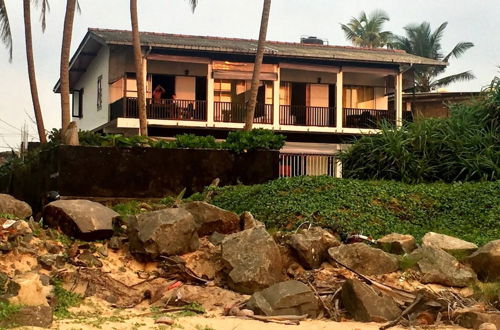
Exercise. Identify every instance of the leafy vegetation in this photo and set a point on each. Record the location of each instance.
(465, 210)
(367, 30)
(64, 299)
(464, 147)
(6, 312)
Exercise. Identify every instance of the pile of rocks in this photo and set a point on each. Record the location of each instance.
(308, 273)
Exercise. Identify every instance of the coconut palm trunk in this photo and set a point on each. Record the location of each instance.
(250, 111)
(139, 74)
(65, 52)
(31, 71)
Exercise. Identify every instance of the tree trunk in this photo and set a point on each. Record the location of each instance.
(250, 111)
(65, 52)
(31, 72)
(139, 74)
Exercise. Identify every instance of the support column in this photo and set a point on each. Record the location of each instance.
(339, 92)
(276, 100)
(145, 76)
(398, 99)
(210, 96)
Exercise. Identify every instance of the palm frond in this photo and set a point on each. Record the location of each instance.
(463, 76)
(78, 8)
(45, 9)
(193, 4)
(5, 32)
(458, 50)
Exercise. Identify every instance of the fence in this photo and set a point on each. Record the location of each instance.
(308, 164)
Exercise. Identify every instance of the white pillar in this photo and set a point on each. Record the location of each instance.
(339, 92)
(398, 99)
(276, 100)
(210, 96)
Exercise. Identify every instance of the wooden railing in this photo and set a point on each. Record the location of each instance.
(229, 112)
(161, 109)
(301, 115)
(366, 118)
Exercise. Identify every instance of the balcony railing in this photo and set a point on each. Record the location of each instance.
(301, 115)
(229, 112)
(367, 118)
(161, 109)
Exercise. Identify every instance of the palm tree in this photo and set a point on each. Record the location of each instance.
(31, 63)
(422, 41)
(366, 31)
(139, 72)
(5, 32)
(250, 111)
(71, 6)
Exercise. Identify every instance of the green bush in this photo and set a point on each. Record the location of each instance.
(464, 147)
(242, 141)
(466, 210)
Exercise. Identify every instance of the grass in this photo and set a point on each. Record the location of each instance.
(64, 300)
(6, 312)
(469, 211)
(488, 292)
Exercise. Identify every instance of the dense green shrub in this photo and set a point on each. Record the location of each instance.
(241, 141)
(470, 211)
(465, 147)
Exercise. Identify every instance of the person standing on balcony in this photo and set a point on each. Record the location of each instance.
(158, 93)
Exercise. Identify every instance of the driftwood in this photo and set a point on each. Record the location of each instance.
(407, 311)
(175, 268)
(327, 309)
(281, 319)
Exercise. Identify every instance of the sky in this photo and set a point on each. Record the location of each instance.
(469, 20)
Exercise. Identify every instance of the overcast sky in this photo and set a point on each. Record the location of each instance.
(476, 21)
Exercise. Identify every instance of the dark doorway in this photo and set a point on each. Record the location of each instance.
(201, 88)
(298, 103)
(332, 104)
(167, 82)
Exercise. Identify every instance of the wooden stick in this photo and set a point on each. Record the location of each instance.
(408, 310)
(327, 309)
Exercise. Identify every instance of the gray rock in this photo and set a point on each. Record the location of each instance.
(163, 232)
(397, 243)
(247, 221)
(87, 259)
(216, 238)
(29, 316)
(364, 259)
(365, 304)
(486, 261)
(210, 218)
(312, 246)
(454, 246)
(285, 298)
(80, 218)
(474, 319)
(49, 261)
(10, 205)
(252, 260)
(115, 243)
(437, 266)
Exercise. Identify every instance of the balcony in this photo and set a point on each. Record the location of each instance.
(367, 118)
(301, 115)
(229, 112)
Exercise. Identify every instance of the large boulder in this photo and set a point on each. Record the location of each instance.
(365, 304)
(80, 218)
(364, 259)
(10, 205)
(285, 298)
(29, 316)
(397, 243)
(252, 260)
(210, 218)
(486, 261)
(454, 246)
(437, 266)
(164, 232)
(311, 246)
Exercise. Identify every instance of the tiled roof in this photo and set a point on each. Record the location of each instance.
(273, 48)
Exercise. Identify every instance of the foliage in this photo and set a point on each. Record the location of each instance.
(421, 41)
(465, 210)
(64, 299)
(366, 31)
(127, 208)
(7, 310)
(243, 141)
(487, 292)
(465, 147)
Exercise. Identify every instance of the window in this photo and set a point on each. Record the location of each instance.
(238, 91)
(77, 103)
(361, 97)
(99, 92)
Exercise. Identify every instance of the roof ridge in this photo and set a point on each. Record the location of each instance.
(400, 51)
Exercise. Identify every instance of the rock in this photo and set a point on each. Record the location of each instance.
(205, 262)
(163, 232)
(102, 250)
(285, 298)
(487, 326)
(216, 238)
(10, 205)
(48, 261)
(30, 290)
(29, 316)
(486, 261)
(210, 218)
(115, 243)
(437, 266)
(87, 259)
(252, 260)
(364, 259)
(210, 297)
(474, 319)
(397, 243)
(247, 221)
(53, 248)
(165, 320)
(80, 218)
(312, 246)
(365, 304)
(454, 246)
(4, 280)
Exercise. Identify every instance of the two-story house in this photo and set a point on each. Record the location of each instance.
(318, 95)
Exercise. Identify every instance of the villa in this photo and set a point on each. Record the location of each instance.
(319, 96)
